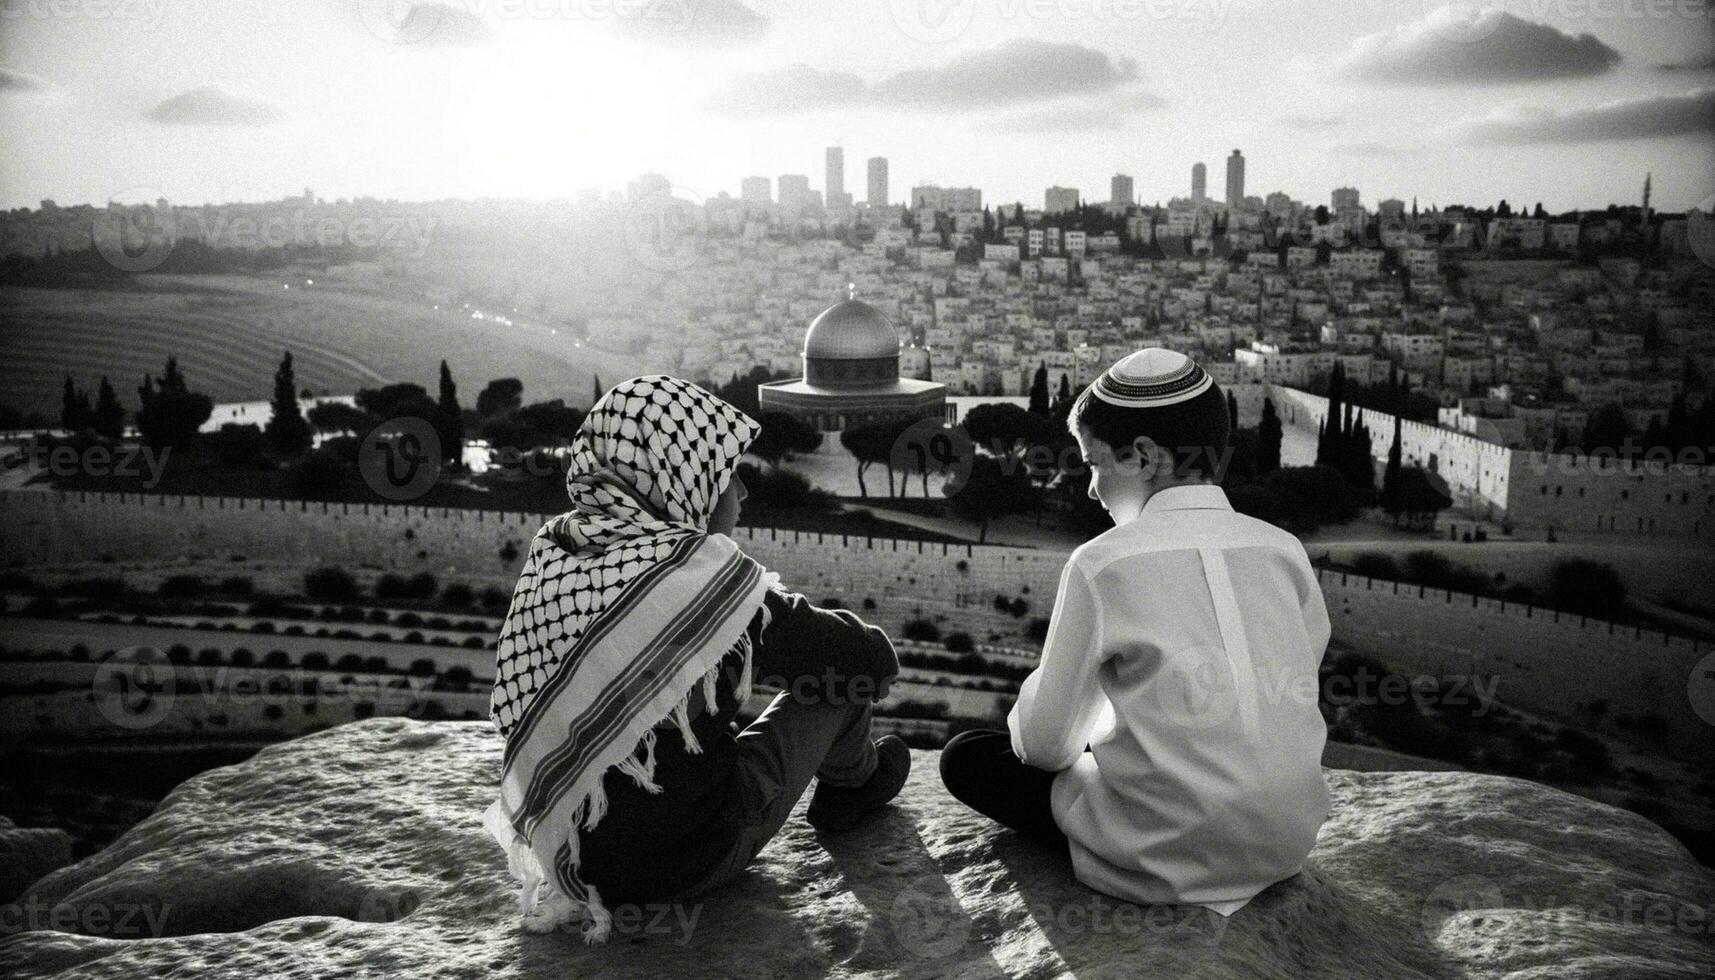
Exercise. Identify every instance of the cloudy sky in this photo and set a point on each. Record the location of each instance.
(1567, 102)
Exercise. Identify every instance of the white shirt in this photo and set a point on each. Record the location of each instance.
(1183, 652)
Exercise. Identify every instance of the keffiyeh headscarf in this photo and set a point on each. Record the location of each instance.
(625, 605)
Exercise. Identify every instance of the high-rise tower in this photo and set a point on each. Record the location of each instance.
(1199, 183)
(1235, 179)
(878, 182)
(835, 192)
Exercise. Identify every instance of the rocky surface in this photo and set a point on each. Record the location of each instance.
(27, 853)
(358, 851)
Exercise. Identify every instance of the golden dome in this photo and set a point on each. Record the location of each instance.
(851, 331)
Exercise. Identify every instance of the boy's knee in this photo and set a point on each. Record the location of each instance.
(956, 758)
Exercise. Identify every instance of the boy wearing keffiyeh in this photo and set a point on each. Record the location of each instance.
(633, 637)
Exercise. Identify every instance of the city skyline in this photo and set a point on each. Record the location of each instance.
(1525, 102)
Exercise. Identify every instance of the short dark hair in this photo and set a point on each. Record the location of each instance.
(1195, 430)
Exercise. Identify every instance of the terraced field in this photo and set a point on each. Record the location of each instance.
(228, 333)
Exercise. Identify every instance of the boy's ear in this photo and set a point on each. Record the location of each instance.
(1148, 454)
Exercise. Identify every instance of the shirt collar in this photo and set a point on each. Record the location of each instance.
(1194, 496)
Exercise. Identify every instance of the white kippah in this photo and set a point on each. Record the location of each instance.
(1151, 378)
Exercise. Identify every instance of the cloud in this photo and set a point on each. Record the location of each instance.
(1366, 148)
(1079, 116)
(17, 81)
(1018, 72)
(1310, 122)
(209, 106)
(1695, 64)
(691, 23)
(1688, 114)
(1493, 47)
(427, 24)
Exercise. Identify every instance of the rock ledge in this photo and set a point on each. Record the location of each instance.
(358, 851)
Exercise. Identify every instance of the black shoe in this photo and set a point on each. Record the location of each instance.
(836, 809)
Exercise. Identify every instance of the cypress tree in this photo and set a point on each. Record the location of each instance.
(1678, 428)
(1390, 476)
(108, 419)
(74, 408)
(449, 419)
(287, 430)
(1332, 440)
(1039, 391)
(1268, 435)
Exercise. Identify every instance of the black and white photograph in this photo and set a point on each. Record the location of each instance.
(870, 489)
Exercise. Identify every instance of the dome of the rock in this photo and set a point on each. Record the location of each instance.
(851, 374)
(852, 330)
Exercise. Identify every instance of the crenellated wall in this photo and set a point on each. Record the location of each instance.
(1528, 489)
(1546, 661)
(1540, 659)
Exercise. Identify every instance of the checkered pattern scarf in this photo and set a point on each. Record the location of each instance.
(625, 605)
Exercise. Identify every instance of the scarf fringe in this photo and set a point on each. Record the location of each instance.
(539, 897)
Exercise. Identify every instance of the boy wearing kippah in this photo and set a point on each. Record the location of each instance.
(1170, 738)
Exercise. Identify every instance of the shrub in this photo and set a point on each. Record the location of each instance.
(1374, 564)
(331, 584)
(457, 595)
(1037, 630)
(1588, 588)
(314, 660)
(99, 589)
(183, 586)
(235, 585)
(277, 660)
(922, 631)
(959, 643)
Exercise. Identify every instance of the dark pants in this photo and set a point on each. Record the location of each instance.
(980, 770)
(790, 743)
